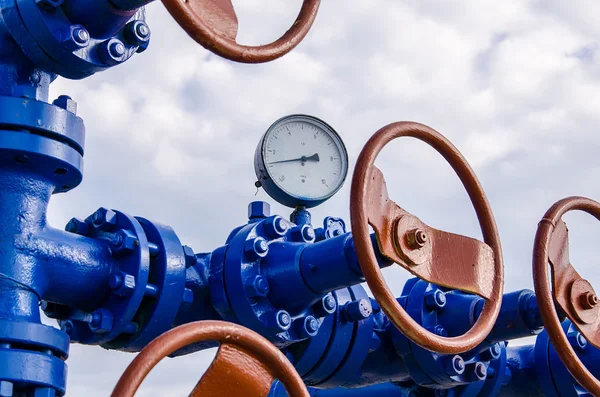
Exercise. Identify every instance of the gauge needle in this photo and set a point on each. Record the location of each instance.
(314, 157)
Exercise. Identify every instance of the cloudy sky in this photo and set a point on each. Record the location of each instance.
(515, 84)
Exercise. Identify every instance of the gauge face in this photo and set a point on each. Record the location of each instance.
(301, 161)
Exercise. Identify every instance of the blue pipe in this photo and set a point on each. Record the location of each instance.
(332, 264)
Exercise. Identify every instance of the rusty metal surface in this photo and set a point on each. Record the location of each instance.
(224, 377)
(445, 259)
(574, 295)
(439, 257)
(245, 365)
(214, 24)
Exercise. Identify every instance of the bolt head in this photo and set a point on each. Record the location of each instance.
(312, 324)
(435, 299)
(190, 256)
(259, 210)
(275, 227)
(65, 102)
(308, 234)
(306, 327)
(480, 370)
(117, 49)
(143, 30)
(277, 322)
(453, 366)
(81, 35)
(458, 364)
(329, 303)
(103, 219)
(303, 233)
(492, 353)
(577, 340)
(257, 287)
(122, 284)
(358, 310)
(75, 38)
(256, 248)
(112, 51)
(326, 306)
(589, 300)
(124, 242)
(102, 321)
(137, 33)
(77, 226)
(284, 319)
(416, 238)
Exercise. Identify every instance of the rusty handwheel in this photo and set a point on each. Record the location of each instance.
(246, 363)
(214, 24)
(436, 256)
(574, 295)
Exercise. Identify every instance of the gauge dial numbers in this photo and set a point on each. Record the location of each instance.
(301, 161)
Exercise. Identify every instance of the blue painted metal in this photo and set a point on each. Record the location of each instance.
(72, 38)
(119, 281)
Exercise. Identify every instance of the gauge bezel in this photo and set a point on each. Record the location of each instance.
(277, 192)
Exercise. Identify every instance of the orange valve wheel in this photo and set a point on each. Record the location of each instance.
(441, 258)
(214, 24)
(246, 363)
(574, 295)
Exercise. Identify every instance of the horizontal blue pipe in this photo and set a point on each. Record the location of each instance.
(332, 264)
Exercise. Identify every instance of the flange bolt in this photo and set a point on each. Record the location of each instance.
(454, 365)
(77, 226)
(76, 37)
(112, 51)
(101, 321)
(257, 248)
(476, 371)
(124, 242)
(435, 299)
(577, 340)
(303, 233)
(306, 327)
(257, 287)
(137, 33)
(103, 219)
(275, 227)
(121, 284)
(358, 310)
(277, 322)
(326, 306)
(492, 353)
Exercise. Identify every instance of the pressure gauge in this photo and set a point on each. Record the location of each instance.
(301, 161)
